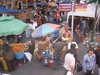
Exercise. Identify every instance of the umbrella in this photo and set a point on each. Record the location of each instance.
(52, 4)
(9, 26)
(44, 30)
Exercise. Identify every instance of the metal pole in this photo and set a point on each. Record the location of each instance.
(72, 18)
(94, 21)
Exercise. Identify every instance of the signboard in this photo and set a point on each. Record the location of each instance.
(80, 7)
(68, 7)
(65, 7)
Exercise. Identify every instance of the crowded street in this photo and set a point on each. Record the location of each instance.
(49, 37)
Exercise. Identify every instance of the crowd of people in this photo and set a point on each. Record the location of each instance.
(64, 39)
(89, 60)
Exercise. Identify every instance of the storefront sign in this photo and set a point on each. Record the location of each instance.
(68, 7)
(80, 7)
(64, 7)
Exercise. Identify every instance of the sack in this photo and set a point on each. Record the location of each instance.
(28, 56)
(69, 73)
(60, 19)
(79, 67)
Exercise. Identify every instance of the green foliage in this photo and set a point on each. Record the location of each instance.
(94, 1)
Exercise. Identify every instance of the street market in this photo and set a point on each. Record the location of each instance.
(37, 32)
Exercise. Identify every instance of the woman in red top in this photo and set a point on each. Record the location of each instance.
(39, 21)
(57, 17)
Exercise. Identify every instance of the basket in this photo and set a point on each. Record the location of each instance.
(19, 55)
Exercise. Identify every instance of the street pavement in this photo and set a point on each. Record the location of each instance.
(35, 67)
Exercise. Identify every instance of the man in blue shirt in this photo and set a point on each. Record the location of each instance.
(83, 27)
(89, 62)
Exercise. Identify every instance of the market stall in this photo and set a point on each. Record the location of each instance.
(9, 26)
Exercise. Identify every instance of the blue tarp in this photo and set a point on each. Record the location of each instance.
(39, 3)
(28, 4)
(4, 10)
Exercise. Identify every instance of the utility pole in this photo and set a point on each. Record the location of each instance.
(73, 6)
(94, 21)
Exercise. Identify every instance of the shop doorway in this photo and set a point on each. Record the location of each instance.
(19, 5)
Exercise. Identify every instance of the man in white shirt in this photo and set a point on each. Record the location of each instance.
(34, 25)
(69, 45)
(69, 63)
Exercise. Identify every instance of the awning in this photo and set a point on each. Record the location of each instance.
(4, 10)
(28, 4)
(89, 13)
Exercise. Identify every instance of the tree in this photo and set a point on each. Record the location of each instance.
(94, 1)
(97, 2)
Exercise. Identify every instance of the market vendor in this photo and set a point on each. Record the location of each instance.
(11, 39)
(66, 34)
(57, 47)
(9, 57)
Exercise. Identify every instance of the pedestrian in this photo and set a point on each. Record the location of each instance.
(57, 46)
(89, 62)
(77, 36)
(73, 46)
(39, 21)
(58, 17)
(43, 19)
(72, 42)
(27, 31)
(34, 25)
(9, 57)
(97, 53)
(51, 16)
(83, 27)
(69, 63)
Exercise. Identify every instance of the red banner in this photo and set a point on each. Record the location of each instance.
(68, 7)
(64, 7)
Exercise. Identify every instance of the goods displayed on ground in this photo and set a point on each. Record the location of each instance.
(96, 40)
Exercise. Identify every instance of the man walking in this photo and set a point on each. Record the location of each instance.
(89, 62)
(57, 46)
(69, 63)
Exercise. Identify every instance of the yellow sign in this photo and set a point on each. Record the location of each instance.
(81, 9)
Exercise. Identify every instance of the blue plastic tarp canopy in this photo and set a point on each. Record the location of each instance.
(4, 10)
(40, 3)
(28, 4)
